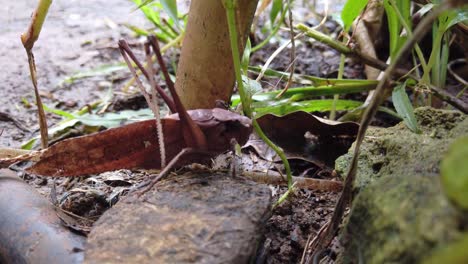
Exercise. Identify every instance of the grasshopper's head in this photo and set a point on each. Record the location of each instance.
(220, 126)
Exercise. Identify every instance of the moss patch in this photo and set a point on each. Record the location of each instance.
(401, 213)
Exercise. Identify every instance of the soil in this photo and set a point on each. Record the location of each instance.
(294, 223)
(78, 37)
(75, 38)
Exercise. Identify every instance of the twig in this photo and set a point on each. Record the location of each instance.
(316, 238)
(273, 56)
(305, 249)
(304, 183)
(9, 156)
(454, 74)
(37, 20)
(8, 118)
(151, 99)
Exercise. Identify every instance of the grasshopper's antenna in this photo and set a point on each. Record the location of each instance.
(128, 54)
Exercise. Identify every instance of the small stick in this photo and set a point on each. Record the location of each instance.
(40, 107)
(234, 161)
(8, 118)
(10, 156)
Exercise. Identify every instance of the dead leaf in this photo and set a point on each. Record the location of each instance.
(308, 135)
(131, 146)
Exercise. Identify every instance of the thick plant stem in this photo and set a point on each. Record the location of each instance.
(205, 73)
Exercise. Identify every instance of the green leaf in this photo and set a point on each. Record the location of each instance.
(394, 24)
(68, 123)
(52, 131)
(285, 107)
(404, 108)
(426, 8)
(351, 11)
(251, 87)
(110, 120)
(309, 79)
(29, 145)
(150, 14)
(138, 31)
(246, 57)
(276, 8)
(98, 71)
(170, 7)
(455, 16)
(393, 28)
(454, 172)
(59, 112)
(311, 91)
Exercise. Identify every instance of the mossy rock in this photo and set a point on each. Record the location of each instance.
(400, 213)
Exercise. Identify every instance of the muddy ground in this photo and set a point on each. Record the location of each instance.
(78, 37)
(75, 38)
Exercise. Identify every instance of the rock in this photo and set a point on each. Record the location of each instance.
(401, 214)
(184, 219)
(32, 230)
(454, 173)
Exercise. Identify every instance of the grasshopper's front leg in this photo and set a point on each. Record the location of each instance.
(193, 136)
(148, 185)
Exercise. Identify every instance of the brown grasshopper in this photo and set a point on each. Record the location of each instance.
(189, 136)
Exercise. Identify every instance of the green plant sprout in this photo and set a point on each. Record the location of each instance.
(246, 101)
(165, 29)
